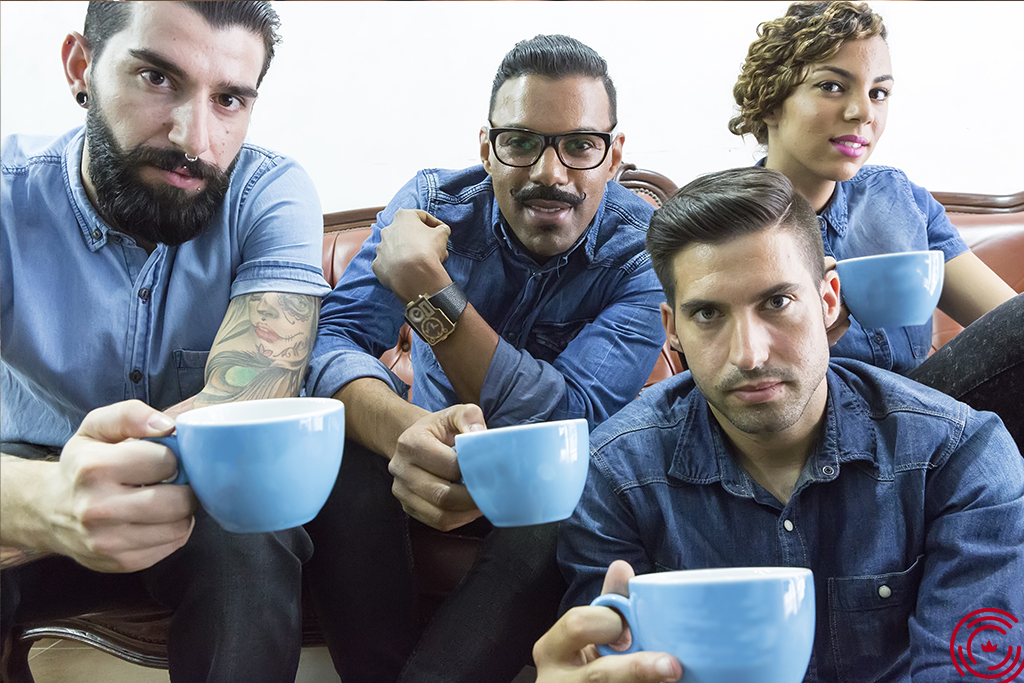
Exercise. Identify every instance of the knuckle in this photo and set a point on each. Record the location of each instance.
(442, 496)
(576, 624)
(397, 466)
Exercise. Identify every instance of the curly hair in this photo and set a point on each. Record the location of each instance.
(778, 60)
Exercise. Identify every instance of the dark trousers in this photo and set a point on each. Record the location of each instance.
(362, 579)
(983, 366)
(236, 600)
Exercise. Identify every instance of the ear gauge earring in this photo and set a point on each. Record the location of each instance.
(82, 99)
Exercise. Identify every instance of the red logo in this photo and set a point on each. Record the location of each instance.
(994, 621)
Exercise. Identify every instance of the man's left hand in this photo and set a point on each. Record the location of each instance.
(426, 471)
(567, 653)
(411, 253)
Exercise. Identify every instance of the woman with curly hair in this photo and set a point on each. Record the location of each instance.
(815, 90)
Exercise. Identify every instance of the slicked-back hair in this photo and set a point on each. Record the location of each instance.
(554, 56)
(723, 206)
(785, 47)
(104, 19)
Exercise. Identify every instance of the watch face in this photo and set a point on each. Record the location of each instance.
(431, 324)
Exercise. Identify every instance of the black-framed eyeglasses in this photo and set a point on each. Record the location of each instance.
(578, 150)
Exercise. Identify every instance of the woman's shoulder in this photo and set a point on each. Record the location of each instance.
(869, 174)
(875, 182)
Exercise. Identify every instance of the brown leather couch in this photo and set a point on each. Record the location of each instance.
(992, 225)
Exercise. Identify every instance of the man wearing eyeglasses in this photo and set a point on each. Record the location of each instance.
(533, 299)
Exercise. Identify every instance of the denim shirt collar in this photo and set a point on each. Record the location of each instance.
(700, 435)
(95, 231)
(835, 212)
(588, 238)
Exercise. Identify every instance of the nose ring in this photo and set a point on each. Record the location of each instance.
(188, 158)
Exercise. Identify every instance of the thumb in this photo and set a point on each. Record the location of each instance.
(616, 580)
(431, 221)
(125, 420)
(467, 417)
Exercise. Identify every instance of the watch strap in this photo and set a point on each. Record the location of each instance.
(451, 301)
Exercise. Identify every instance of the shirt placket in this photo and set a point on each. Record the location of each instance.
(140, 322)
(524, 311)
(790, 535)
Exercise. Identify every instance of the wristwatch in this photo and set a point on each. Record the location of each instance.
(433, 317)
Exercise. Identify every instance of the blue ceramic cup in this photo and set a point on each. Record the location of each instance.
(260, 465)
(742, 625)
(892, 290)
(526, 474)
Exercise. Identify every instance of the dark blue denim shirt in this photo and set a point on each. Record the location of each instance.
(879, 211)
(579, 334)
(906, 489)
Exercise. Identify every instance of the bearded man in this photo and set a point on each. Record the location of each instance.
(155, 256)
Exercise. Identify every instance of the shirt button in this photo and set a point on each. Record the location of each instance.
(136, 376)
(96, 234)
(828, 470)
(884, 591)
(879, 337)
(787, 525)
(510, 337)
(144, 295)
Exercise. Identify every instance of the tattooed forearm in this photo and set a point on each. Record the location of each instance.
(12, 557)
(262, 349)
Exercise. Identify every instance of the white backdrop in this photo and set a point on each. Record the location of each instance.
(365, 93)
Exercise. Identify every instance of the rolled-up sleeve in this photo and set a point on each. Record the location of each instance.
(282, 246)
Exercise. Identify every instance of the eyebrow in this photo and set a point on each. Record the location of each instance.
(583, 129)
(177, 72)
(849, 75)
(693, 305)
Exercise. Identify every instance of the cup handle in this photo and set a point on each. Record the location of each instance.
(172, 443)
(625, 607)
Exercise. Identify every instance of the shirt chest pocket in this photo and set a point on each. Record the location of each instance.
(191, 369)
(548, 339)
(868, 618)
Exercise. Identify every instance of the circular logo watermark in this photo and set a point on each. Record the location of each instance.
(982, 637)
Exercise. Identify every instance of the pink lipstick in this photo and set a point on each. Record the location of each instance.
(850, 145)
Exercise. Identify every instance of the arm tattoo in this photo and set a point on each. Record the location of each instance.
(12, 557)
(262, 349)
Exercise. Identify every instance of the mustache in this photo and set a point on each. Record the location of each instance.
(531, 192)
(739, 378)
(171, 160)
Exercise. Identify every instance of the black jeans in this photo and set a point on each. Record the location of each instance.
(236, 600)
(983, 366)
(362, 580)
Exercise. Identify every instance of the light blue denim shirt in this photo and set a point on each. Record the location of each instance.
(906, 489)
(879, 211)
(579, 334)
(88, 318)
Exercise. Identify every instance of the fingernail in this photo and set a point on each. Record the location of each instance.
(666, 667)
(160, 422)
(476, 427)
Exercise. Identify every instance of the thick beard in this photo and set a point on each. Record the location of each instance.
(163, 213)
